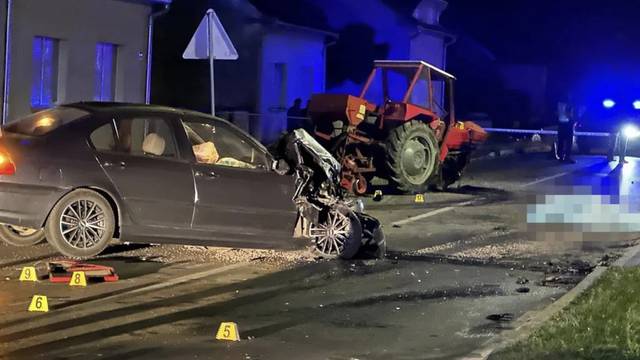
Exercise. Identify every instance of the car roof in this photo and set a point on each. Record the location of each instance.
(96, 106)
(108, 107)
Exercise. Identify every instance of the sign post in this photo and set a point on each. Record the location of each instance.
(210, 41)
(211, 59)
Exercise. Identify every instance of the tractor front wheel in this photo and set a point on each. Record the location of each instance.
(412, 156)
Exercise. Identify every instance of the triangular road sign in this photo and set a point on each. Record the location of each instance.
(210, 30)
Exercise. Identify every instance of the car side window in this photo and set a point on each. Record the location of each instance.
(145, 136)
(218, 143)
(102, 138)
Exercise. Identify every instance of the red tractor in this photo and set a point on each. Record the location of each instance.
(410, 137)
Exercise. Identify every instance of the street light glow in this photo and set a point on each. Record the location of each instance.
(608, 103)
(636, 104)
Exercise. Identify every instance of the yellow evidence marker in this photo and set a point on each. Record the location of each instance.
(419, 198)
(78, 279)
(228, 331)
(39, 304)
(28, 273)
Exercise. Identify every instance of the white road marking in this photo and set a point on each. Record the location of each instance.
(545, 179)
(465, 203)
(431, 213)
(186, 278)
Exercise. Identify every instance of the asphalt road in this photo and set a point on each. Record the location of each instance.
(460, 266)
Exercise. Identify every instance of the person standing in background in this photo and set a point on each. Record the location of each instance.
(294, 115)
(306, 121)
(566, 125)
(617, 143)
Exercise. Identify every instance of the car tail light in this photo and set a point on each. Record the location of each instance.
(7, 167)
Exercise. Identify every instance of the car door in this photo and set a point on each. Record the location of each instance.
(238, 197)
(154, 183)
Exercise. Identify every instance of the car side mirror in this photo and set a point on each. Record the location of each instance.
(281, 167)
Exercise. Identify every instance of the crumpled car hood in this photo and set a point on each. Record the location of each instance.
(315, 155)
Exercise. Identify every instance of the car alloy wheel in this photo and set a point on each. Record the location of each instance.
(339, 235)
(331, 236)
(82, 224)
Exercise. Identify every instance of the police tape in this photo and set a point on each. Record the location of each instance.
(544, 132)
(227, 114)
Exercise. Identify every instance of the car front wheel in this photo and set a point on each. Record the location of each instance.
(338, 234)
(81, 225)
(20, 236)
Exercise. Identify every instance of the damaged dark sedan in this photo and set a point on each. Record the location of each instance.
(83, 174)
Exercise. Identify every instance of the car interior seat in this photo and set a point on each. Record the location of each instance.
(153, 144)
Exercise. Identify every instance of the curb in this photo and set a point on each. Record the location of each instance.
(629, 257)
(531, 320)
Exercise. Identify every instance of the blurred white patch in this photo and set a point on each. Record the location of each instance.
(593, 213)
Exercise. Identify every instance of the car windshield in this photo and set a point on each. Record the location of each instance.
(44, 122)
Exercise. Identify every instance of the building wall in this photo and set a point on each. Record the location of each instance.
(78, 25)
(390, 27)
(390, 40)
(430, 48)
(293, 66)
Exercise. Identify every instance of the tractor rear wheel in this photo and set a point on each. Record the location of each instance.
(412, 156)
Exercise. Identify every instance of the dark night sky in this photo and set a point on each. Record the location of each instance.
(564, 33)
(580, 41)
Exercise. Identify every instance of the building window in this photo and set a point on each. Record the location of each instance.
(44, 86)
(105, 72)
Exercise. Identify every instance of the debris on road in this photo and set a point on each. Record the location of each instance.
(580, 267)
(605, 260)
(208, 254)
(501, 317)
(61, 271)
(561, 279)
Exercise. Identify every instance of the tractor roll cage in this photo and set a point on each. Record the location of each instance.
(413, 70)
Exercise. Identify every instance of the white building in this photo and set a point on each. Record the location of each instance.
(61, 51)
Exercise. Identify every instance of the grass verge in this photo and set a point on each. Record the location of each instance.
(602, 323)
